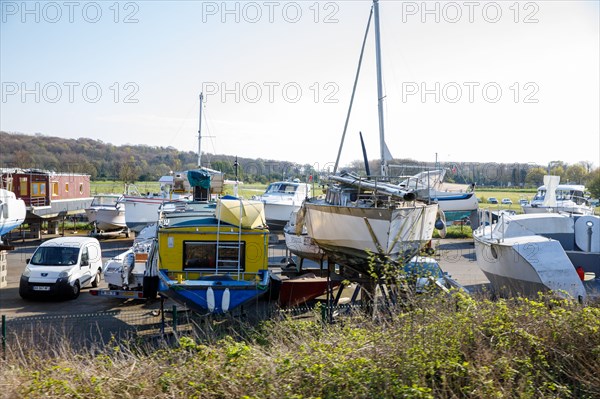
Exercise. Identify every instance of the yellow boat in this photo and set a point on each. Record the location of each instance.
(212, 256)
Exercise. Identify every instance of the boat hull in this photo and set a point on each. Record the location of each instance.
(350, 235)
(299, 290)
(110, 219)
(12, 211)
(216, 294)
(453, 202)
(527, 265)
(303, 246)
(278, 214)
(141, 211)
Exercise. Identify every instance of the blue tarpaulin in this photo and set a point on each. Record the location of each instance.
(199, 178)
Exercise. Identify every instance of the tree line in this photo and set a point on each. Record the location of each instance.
(130, 163)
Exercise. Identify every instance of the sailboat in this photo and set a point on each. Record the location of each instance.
(142, 210)
(369, 218)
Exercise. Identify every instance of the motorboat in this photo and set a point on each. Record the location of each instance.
(281, 199)
(529, 253)
(141, 209)
(457, 201)
(124, 273)
(12, 212)
(555, 197)
(106, 213)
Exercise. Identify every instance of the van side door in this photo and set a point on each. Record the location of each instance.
(85, 266)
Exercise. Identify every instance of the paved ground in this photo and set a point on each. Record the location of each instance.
(457, 257)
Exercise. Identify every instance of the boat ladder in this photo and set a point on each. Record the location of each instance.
(237, 245)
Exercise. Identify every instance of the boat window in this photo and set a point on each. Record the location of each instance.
(54, 188)
(281, 188)
(202, 255)
(38, 189)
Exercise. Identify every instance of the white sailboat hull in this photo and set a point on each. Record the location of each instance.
(349, 235)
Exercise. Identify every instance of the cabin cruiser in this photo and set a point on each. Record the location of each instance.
(281, 199)
(555, 197)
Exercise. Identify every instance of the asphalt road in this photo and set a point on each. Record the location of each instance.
(456, 256)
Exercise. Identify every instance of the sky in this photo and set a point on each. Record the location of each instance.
(472, 81)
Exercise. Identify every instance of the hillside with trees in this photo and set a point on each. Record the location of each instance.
(105, 161)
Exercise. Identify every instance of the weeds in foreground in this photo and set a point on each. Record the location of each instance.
(444, 347)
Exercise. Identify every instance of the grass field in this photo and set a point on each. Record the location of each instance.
(249, 190)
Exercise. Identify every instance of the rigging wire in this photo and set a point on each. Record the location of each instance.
(183, 121)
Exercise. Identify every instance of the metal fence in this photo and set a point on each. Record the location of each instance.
(95, 330)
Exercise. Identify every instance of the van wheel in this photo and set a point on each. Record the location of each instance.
(96, 280)
(75, 290)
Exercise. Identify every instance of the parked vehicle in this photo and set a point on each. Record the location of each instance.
(506, 201)
(424, 270)
(492, 200)
(61, 267)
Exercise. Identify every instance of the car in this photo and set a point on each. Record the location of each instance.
(492, 200)
(523, 202)
(61, 267)
(506, 201)
(424, 270)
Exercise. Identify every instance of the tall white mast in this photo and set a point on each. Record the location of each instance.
(200, 134)
(382, 147)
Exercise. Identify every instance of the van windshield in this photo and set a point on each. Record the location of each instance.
(55, 256)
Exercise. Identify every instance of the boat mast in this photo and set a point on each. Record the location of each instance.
(200, 133)
(362, 51)
(383, 155)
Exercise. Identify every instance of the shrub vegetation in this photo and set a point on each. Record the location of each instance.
(452, 346)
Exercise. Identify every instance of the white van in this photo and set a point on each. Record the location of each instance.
(61, 267)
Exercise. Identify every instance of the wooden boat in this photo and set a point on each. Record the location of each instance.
(211, 256)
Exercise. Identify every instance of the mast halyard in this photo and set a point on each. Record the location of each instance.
(382, 146)
(200, 134)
